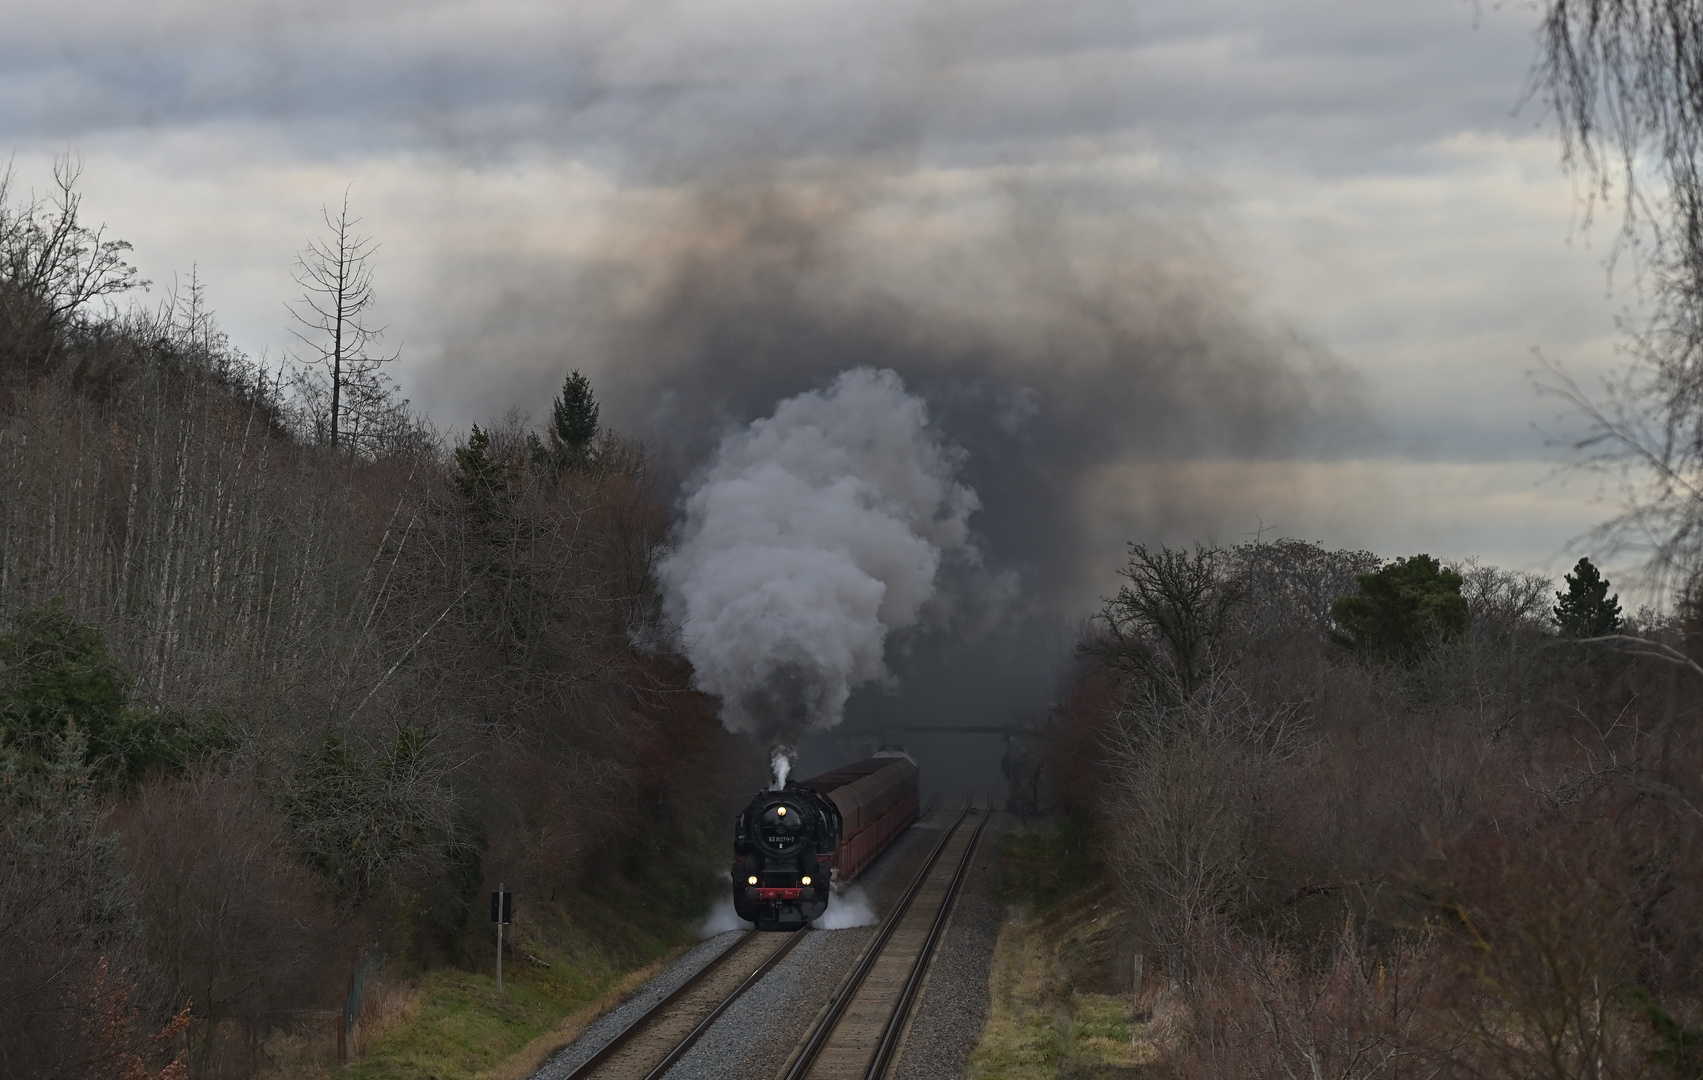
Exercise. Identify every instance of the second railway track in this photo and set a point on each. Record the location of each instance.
(856, 1036)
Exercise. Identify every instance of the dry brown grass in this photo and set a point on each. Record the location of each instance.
(307, 1051)
(389, 1003)
(1061, 1003)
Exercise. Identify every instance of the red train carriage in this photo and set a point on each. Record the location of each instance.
(877, 800)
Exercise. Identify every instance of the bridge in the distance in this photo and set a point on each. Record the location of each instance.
(884, 730)
(1018, 764)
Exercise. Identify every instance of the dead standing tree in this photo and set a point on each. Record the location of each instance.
(336, 279)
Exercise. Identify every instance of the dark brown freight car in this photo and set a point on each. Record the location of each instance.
(877, 800)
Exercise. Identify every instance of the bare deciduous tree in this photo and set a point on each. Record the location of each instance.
(51, 264)
(233, 920)
(1625, 80)
(1168, 620)
(1187, 780)
(336, 279)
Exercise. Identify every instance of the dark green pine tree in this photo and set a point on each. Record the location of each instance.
(574, 414)
(572, 430)
(1403, 609)
(485, 478)
(1586, 609)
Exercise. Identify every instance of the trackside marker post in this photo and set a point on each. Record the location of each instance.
(502, 911)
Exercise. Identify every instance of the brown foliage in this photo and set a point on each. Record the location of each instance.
(231, 917)
(110, 1032)
(1262, 1011)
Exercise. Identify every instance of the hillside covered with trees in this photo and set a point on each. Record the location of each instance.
(284, 684)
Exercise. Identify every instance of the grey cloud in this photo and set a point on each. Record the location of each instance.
(1059, 324)
(671, 87)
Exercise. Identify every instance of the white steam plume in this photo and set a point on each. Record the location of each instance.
(849, 907)
(813, 535)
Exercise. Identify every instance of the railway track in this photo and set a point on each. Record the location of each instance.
(857, 1032)
(856, 1035)
(650, 1045)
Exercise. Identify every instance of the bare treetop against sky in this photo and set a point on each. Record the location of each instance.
(1164, 269)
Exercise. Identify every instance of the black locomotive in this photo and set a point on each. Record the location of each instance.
(783, 857)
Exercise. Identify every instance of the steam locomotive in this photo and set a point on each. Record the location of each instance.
(792, 845)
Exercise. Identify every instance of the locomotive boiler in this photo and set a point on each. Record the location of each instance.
(791, 846)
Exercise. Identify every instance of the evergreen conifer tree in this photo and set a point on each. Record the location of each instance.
(1403, 609)
(572, 430)
(1586, 609)
(574, 415)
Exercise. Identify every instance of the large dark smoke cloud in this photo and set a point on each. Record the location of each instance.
(1074, 341)
(1051, 346)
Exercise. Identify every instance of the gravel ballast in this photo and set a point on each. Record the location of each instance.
(952, 1009)
(753, 1039)
(613, 1022)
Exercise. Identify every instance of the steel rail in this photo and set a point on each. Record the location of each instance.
(842, 998)
(596, 1061)
(894, 1029)
(751, 980)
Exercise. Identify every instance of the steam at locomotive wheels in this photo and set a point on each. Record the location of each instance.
(794, 845)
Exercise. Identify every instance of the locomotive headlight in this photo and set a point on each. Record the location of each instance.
(781, 811)
(805, 880)
(752, 880)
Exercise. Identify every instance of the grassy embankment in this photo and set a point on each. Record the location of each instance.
(566, 966)
(1062, 1004)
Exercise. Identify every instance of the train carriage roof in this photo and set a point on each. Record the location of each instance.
(857, 770)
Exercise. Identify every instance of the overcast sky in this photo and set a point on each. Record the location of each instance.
(1335, 207)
